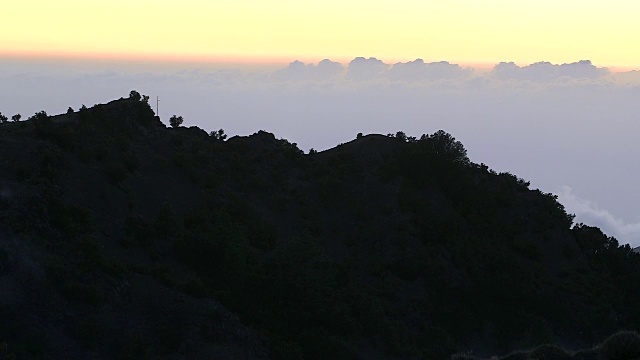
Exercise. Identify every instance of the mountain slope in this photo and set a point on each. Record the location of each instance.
(122, 238)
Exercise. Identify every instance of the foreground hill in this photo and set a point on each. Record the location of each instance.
(120, 238)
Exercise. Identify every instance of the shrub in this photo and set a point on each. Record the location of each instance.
(135, 348)
(218, 135)
(624, 345)
(40, 118)
(5, 266)
(516, 356)
(166, 222)
(88, 332)
(5, 354)
(138, 230)
(463, 356)
(71, 220)
(589, 354)
(88, 294)
(115, 172)
(175, 121)
(135, 95)
(549, 352)
(130, 161)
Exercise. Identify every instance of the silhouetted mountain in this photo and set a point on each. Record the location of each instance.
(121, 238)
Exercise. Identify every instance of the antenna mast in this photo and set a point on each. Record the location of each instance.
(157, 106)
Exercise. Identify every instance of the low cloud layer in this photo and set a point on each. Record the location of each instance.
(546, 71)
(325, 70)
(418, 70)
(371, 69)
(589, 213)
(361, 69)
(575, 124)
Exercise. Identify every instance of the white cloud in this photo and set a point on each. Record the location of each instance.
(590, 214)
(299, 71)
(418, 70)
(547, 72)
(361, 69)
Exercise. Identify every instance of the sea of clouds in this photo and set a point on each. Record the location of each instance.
(570, 129)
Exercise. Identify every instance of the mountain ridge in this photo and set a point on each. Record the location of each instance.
(391, 247)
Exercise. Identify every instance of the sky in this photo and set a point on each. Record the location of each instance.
(461, 31)
(545, 90)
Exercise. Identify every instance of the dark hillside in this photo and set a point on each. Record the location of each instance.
(121, 238)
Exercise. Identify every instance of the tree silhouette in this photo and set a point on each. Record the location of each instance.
(218, 135)
(40, 117)
(135, 95)
(16, 117)
(445, 146)
(3, 119)
(175, 121)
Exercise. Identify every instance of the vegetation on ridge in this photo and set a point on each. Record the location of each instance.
(122, 238)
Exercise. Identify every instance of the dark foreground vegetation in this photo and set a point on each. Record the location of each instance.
(121, 238)
(624, 345)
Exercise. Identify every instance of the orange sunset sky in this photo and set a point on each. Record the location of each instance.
(465, 32)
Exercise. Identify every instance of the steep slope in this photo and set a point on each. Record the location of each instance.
(71, 286)
(122, 238)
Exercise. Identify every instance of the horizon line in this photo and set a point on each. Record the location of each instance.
(258, 60)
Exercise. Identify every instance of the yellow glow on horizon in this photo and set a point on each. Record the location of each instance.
(461, 31)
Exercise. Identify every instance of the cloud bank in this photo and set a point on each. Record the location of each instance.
(298, 71)
(546, 71)
(370, 69)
